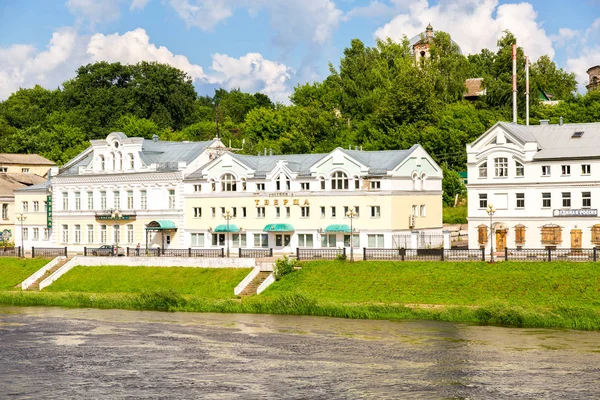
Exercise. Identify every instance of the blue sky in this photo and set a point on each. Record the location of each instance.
(269, 45)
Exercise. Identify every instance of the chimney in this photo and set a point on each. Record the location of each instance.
(265, 149)
(560, 121)
(155, 138)
(544, 121)
(514, 81)
(527, 90)
(270, 152)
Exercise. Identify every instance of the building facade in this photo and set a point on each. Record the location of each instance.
(594, 78)
(288, 201)
(543, 180)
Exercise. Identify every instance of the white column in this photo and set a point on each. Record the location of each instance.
(447, 244)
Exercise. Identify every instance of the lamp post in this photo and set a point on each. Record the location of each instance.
(21, 217)
(491, 210)
(227, 215)
(351, 214)
(116, 215)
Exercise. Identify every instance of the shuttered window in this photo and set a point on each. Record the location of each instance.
(482, 231)
(520, 235)
(551, 235)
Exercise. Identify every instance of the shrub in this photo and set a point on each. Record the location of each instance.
(284, 266)
(341, 257)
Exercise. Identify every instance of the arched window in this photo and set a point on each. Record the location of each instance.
(282, 183)
(423, 180)
(228, 183)
(213, 185)
(120, 161)
(422, 53)
(243, 184)
(102, 163)
(114, 161)
(131, 161)
(356, 182)
(339, 181)
(322, 183)
(483, 170)
(415, 179)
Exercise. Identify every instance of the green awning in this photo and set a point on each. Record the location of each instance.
(338, 228)
(279, 228)
(161, 225)
(223, 228)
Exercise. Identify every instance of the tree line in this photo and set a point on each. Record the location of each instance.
(377, 98)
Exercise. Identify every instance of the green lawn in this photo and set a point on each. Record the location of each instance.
(213, 283)
(13, 271)
(449, 283)
(454, 215)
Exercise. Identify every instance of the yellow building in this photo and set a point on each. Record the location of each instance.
(34, 222)
(289, 201)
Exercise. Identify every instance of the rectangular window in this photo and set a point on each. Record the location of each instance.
(483, 170)
(25, 170)
(3, 169)
(117, 199)
(103, 200)
(4, 211)
(222, 211)
(586, 199)
(46, 234)
(375, 241)
(520, 170)
(45, 206)
(375, 185)
(356, 240)
(90, 200)
(520, 200)
(244, 212)
(143, 200)
(277, 212)
(25, 233)
(260, 187)
(197, 240)
(213, 212)
(171, 199)
(566, 199)
(261, 240)
(545, 170)
(483, 200)
(130, 200)
(356, 183)
(117, 234)
(305, 211)
(65, 201)
(375, 211)
(198, 188)
(25, 206)
(287, 212)
(90, 233)
(327, 240)
(78, 200)
(77, 233)
(197, 212)
(565, 170)
(213, 186)
(239, 240)
(586, 169)
(501, 167)
(546, 200)
(260, 212)
(65, 234)
(322, 212)
(305, 240)
(322, 184)
(415, 210)
(333, 212)
(36, 206)
(130, 233)
(423, 210)
(103, 234)
(305, 185)
(36, 233)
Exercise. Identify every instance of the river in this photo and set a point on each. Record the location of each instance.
(56, 353)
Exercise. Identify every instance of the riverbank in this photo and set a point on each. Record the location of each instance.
(544, 295)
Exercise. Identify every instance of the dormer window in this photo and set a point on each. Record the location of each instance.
(228, 183)
(501, 167)
(102, 163)
(577, 135)
(116, 144)
(339, 181)
(282, 182)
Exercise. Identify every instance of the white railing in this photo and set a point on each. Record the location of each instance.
(246, 281)
(41, 272)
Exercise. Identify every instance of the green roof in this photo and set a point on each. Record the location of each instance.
(279, 228)
(224, 228)
(338, 228)
(159, 225)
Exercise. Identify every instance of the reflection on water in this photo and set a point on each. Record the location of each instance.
(57, 353)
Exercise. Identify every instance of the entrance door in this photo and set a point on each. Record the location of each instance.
(282, 240)
(500, 240)
(575, 238)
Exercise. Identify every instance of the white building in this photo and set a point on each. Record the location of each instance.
(543, 180)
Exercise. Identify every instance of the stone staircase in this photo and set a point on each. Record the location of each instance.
(36, 285)
(250, 290)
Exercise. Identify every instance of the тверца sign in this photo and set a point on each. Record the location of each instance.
(49, 211)
(579, 212)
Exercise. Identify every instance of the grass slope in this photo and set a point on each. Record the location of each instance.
(454, 215)
(13, 271)
(214, 283)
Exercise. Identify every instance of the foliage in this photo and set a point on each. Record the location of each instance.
(284, 266)
(13, 271)
(454, 215)
(452, 186)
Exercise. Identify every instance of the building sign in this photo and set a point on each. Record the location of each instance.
(6, 235)
(115, 218)
(581, 212)
(49, 212)
(281, 202)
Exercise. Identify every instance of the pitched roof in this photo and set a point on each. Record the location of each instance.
(31, 159)
(25, 179)
(382, 160)
(38, 187)
(474, 87)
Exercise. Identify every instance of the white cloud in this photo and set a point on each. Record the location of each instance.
(138, 4)
(25, 66)
(473, 24)
(94, 11)
(584, 52)
(252, 73)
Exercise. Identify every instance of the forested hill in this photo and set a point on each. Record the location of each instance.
(377, 98)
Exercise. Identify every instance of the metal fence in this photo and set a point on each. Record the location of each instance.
(424, 241)
(48, 252)
(10, 252)
(303, 253)
(255, 253)
(550, 254)
(189, 252)
(423, 254)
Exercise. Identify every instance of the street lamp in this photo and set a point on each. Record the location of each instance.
(351, 214)
(227, 215)
(491, 210)
(116, 215)
(21, 217)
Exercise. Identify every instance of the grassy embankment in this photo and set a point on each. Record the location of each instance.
(557, 294)
(455, 215)
(13, 271)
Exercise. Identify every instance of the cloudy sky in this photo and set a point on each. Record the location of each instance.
(269, 45)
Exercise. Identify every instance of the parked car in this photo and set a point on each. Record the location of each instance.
(107, 250)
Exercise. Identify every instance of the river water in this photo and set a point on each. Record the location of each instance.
(61, 354)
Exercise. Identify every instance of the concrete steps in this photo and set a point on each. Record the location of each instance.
(36, 285)
(250, 290)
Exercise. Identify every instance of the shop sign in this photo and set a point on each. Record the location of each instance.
(281, 202)
(578, 212)
(115, 218)
(49, 212)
